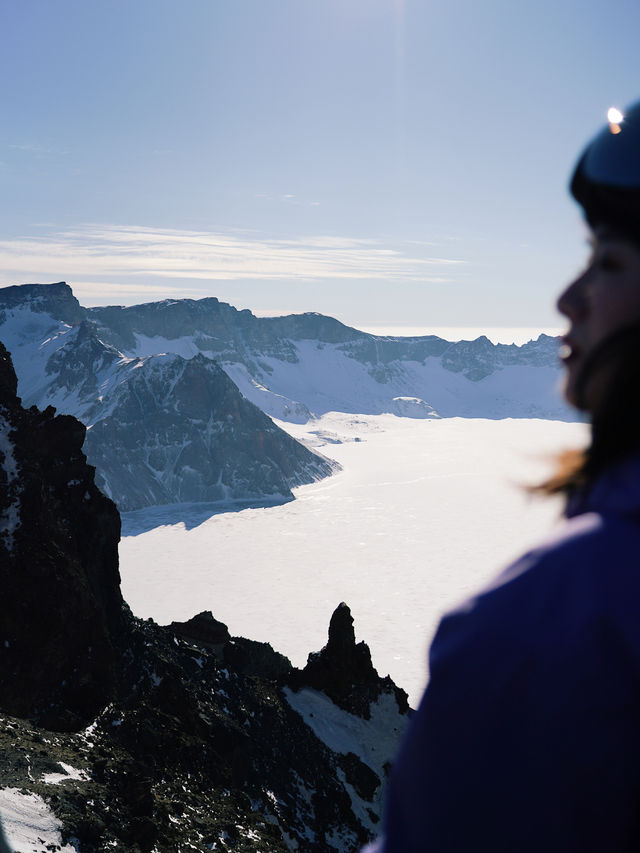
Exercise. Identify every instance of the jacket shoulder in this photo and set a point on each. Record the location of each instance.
(583, 580)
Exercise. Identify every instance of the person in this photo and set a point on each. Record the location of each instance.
(528, 735)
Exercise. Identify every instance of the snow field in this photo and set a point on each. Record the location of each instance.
(423, 514)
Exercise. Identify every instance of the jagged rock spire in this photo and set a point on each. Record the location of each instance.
(344, 671)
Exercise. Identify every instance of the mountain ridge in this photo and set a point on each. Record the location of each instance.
(291, 366)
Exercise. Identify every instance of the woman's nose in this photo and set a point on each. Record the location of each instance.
(572, 301)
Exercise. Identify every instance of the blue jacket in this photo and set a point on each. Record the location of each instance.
(528, 735)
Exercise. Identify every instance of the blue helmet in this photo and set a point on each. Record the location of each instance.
(606, 181)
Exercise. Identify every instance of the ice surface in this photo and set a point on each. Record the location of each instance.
(423, 513)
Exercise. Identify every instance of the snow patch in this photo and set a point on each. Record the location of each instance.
(374, 741)
(274, 404)
(184, 346)
(29, 823)
(69, 773)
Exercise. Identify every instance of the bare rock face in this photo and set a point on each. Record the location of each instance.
(202, 629)
(180, 431)
(56, 300)
(61, 601)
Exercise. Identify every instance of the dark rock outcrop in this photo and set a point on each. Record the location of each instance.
(58, 567)
(344, 671)
(196, 752)
(202, 629)
(75, 367)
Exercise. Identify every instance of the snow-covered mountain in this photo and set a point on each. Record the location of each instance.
(306, 365)
(165, 424)
(162, 428)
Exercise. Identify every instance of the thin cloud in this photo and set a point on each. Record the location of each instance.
(36, 149)
(30, 148)
(125, 253)
(287, 198)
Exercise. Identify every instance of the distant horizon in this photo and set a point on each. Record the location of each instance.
(497, 334)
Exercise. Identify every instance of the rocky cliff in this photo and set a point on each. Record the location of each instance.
(131, 736)
(179, 431)
(57, 532)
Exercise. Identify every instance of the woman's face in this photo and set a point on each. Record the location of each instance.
(603, 299)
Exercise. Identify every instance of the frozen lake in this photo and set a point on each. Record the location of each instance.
(423, 513)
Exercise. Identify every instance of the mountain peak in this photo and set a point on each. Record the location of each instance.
(56, 299)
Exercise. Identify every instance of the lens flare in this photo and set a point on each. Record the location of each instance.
(614, 116)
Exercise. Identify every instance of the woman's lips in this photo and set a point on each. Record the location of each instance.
(568, 351)
(565, 352)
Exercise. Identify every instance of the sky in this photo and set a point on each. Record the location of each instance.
(392, 163)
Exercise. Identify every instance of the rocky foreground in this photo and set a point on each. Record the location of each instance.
(131, 736)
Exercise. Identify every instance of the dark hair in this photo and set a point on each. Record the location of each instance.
(615, 427)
